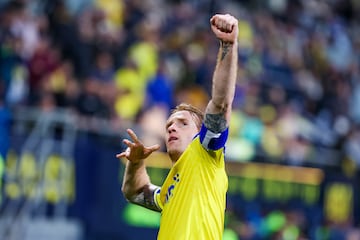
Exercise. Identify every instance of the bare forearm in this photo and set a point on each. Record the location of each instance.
(137, 187)
(135, 178)
(224, 79)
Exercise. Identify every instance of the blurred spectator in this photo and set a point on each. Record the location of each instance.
(5, 121)
(114, 13)
(45, 59)
(56, 83)
(352, 145)
(160, 89)
(144, 53)
(131, 86)
(103, 68)
(14, 72)
(339, 49)
(151, 121)
(24, 26)
(89, 103)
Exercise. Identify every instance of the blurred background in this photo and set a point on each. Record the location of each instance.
(74, 74)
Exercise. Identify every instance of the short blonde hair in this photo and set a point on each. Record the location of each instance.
(197, 114)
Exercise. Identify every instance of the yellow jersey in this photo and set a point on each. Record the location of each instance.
(193, 196)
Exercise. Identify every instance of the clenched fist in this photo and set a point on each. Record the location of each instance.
(225, 27)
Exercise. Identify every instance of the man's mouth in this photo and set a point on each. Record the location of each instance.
(172, 139)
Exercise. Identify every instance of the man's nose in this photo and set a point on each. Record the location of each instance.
(172, 128)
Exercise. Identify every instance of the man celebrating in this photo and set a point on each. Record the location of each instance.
(192, 199)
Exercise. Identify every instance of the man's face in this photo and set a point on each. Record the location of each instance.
(180, 130)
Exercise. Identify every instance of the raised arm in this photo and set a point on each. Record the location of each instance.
(136, 186)
(218, 111)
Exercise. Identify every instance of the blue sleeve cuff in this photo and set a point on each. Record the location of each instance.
(213, 141)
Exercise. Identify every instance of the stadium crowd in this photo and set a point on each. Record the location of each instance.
(298, 92)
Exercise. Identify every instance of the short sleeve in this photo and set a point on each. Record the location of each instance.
(157, 198)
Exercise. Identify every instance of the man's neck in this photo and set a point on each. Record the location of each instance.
(174, 157)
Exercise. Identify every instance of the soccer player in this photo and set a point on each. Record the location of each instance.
(192, 198)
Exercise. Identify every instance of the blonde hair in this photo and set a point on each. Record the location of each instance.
(197, 114)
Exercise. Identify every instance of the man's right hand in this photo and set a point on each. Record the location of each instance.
(225, 27)
(136, 151)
